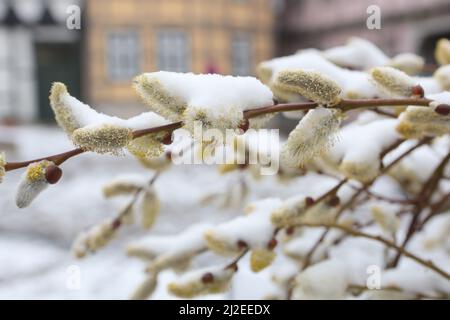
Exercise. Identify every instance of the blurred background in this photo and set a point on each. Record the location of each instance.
(117, 40)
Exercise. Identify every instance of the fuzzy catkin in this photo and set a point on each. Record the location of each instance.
(309, 84)
(158, 99)
(105, 138)
(419, 122)
(314, 135)
(63, 113)
(392, 81)
(32, 183)
(409, 63)
(442, 51)
(208, 282)
(149, 208)
(2, 166)
(93, 239)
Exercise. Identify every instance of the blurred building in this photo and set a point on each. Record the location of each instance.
(35, 49)
(118, 40)
(124, 38)
(406, 25)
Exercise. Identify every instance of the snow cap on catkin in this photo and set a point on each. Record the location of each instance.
(2, 166)
(314, 134)
(64, 114)
(216, 101)
(409, 63)
(32, 183)
(442, 51)
(419, 122)
(300, 209)
(158, 97)
(233, 236)
(106, 138)
(200, 282)
(312, 85)
(393, 82)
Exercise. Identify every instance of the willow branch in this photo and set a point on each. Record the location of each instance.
(344, 105)
(426, 263)
(355, 196)
(422, 201)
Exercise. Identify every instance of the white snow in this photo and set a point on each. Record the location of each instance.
(214, 91)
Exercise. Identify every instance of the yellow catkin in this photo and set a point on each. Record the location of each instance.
(442, 51)
(150, 208)
(158, 99)
(103, 139)
(419, 122)
(442, 75)
(392, 81)
(2, 166)
(63, 114)
(261, 259)
(220, 282)
(146, 147)
(314, 135)
(309, 84)
(219, 245)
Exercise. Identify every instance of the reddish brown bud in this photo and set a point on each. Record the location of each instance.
(53, 174)
(245, 124)
(233, 267)
(443, 109)
(417, 91)
(334, 201)
(272, 244)
(168, 155)
(116, 223)
(309, 201)
(243, 166)
(290, 231)
(208, 277)
(242, 244)
(167, 139)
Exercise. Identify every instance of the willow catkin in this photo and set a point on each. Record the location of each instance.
(312, 85)
(105, 138)
(393, 82)
(313, 136)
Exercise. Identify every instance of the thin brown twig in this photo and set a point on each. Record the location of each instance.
(344, 105)
(423, 200)
(426, 263)
(355, 196)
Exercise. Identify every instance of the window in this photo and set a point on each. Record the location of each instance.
(173, 51)
(123, 55)
(241, 54)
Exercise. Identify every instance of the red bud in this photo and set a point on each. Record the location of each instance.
(208, 277)
(53, 174)
(417, 91)
(443, 109)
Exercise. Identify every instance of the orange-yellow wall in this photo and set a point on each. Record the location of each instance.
(210, 25)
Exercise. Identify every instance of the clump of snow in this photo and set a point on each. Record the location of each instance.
(73, 114)
(171, 250)
(253, 230)
(215, 100)
(357, 153)
(357, 53)
(324, 280)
